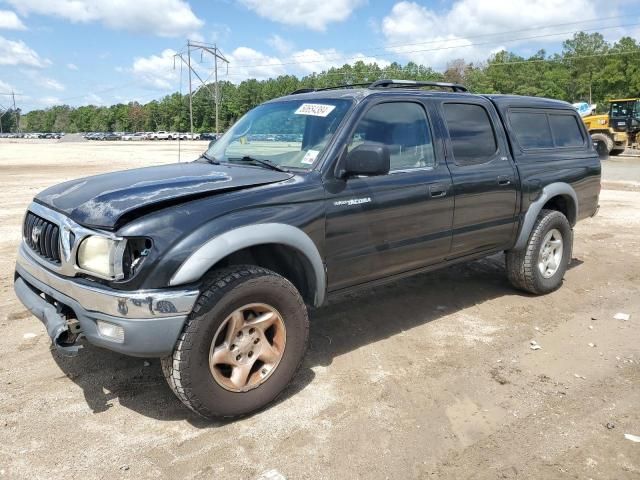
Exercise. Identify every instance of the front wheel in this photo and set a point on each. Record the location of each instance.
(540, 267)
(241, 345)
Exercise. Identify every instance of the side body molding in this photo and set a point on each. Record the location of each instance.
(229, 242)
(548, 192)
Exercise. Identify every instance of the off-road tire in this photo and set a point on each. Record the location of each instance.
(616, 151)
(187, 369)
(604, 138)
(522, 265)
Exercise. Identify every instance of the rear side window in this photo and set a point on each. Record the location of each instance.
(531, 129)
(545, 129)
(566, 131)
(471, 132)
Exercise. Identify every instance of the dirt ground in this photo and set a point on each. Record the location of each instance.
(429, 377)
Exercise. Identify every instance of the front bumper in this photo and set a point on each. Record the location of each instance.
(151, 319)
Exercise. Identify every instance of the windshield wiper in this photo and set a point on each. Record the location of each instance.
(209, 158)
(263, 162)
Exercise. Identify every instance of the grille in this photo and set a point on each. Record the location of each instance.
(43, 237)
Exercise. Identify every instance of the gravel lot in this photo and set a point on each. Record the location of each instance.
(430, 377)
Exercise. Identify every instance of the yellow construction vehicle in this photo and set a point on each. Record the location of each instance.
(618, 129)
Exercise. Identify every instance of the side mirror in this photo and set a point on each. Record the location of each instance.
(368, 159)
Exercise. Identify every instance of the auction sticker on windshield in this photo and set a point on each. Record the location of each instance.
(310, 157)
(315, 109)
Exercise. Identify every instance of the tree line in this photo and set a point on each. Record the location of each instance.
(588, 68)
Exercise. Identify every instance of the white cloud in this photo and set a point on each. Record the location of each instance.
(245, 62)
(310, 60)
(196, 37)
(281, 45)
(10, 21)
(72, 66)
(93, 99)
(49, 101)
(45, 82)
(51, 84)
(5, 87)
(218, 32)
(166, 18)
(449, 34)
(249, 63)
(18, 53)
(157, 70)
(312, 14)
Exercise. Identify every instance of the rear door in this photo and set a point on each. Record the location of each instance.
(484, 177)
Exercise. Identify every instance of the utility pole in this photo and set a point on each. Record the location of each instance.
(217, 55)
(190, 91)
(15, 111)
(217, 99)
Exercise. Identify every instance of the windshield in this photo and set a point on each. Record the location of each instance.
(625, 108)
(287, 133)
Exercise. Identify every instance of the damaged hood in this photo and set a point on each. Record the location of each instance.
(103, 200)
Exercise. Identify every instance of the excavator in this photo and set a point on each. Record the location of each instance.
(617, 130)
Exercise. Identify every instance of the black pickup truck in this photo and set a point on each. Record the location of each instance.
(210, 265)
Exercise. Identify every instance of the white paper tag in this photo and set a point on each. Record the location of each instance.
(310, 157)
(315, 109)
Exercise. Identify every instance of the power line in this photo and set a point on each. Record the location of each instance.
(397, 52)
(493, 64)
(483, 35)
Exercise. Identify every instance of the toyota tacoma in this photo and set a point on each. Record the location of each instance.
(212, 265)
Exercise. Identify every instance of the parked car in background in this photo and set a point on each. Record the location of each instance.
(134, 136)
(208, 136)
(161, 135)
(187, 136)
(112, 136)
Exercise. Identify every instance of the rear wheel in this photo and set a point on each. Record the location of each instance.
(540, 267)
(241, 345)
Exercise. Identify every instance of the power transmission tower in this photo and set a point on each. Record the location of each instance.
(15, 111)
(217, 56)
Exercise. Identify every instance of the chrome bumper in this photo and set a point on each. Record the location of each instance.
(140, 304)
(151, 320)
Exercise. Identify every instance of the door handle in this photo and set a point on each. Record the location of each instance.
(504, 180)
(437, 190)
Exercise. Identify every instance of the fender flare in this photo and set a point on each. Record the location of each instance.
(214, 250)
(548, 192)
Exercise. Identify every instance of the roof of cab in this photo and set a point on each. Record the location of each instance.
(358, 94)
(502, 101)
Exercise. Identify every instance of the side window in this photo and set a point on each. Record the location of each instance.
(566, 131)
(531, 129)
(403, 128)
(471, 132)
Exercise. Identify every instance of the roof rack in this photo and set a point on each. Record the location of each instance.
(335, 87)
(455, 87)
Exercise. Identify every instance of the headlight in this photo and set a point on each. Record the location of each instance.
(102, 256)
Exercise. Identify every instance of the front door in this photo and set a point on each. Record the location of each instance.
(382, 225)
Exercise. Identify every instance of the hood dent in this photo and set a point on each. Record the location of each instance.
(103, 200)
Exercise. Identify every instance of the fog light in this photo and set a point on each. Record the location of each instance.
(111, 331)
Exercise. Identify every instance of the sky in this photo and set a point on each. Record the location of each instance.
(101, 52)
